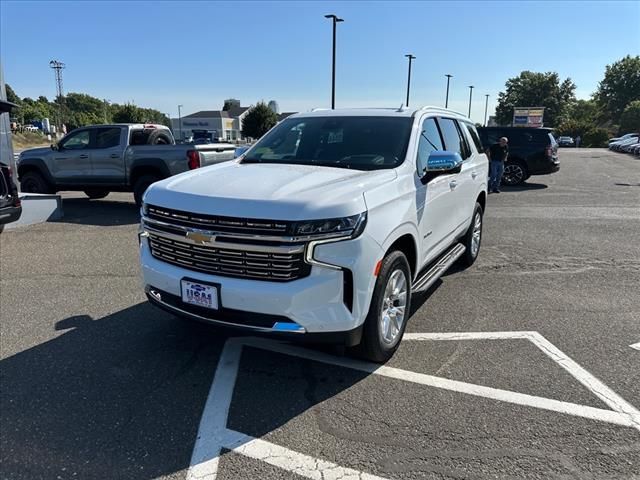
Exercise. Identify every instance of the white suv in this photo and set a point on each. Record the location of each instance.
(323, 229)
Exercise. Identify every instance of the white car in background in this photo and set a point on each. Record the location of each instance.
(322, 229)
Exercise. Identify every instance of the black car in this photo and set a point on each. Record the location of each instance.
(532, 151)
(10, 207)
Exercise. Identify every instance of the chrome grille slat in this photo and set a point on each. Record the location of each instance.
(222, 224)
(227, 262)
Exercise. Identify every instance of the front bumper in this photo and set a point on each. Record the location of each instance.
(329, 300)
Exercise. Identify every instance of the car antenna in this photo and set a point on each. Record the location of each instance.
(401, 107)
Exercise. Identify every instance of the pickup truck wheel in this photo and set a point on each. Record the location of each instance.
(514, 173)
(141, 186)
(34, 182)
(96, 193)
(473, 238)
(389, 310)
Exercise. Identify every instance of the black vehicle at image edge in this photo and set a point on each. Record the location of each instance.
(10, 206)
(532, 151)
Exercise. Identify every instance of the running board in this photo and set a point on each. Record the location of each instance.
(429, 277)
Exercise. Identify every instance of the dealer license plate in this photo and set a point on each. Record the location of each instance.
(198, 294)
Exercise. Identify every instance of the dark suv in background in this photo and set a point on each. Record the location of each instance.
(532, 151)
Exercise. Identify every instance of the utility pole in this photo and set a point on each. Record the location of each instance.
(446, 101)
(471, 87)
(57, 68)
(486, 106)
(410, 57)
(180, 122)
(335, 20)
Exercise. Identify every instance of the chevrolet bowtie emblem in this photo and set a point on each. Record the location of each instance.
(201, 238)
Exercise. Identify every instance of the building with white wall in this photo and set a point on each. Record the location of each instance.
(219, 124)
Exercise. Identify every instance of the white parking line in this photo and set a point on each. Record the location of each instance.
(213, 435)
(636, 346)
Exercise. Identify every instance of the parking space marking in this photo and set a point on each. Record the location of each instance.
(636, 346)
(213, 435)
(595, 386)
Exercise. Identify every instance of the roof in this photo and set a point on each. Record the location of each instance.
(6, 106)
(377, 112)
(233, 112)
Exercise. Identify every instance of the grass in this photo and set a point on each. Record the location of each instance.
(29, 140)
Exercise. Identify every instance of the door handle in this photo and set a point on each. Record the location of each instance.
(453, 184)
(84, 155)
(474, 175)
(114, 155)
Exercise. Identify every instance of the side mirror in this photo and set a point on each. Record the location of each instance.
(54, 146)
(443, 161)
(440, 163)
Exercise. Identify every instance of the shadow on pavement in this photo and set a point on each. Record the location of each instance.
(523, 187)
(99, 212)
(122, 396)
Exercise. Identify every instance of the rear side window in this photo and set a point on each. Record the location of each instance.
(430, 141)
(473, 133)
(107, 137)
(452, 140)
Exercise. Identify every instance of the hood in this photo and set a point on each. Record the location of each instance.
(35, 152)
(268, 191)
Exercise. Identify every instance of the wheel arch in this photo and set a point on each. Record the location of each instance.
(406, 243)
(35, 165)
(147, 167)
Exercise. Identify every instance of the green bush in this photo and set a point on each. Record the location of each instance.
(596, 138)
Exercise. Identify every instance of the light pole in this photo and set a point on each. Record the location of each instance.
(180, 122)
(410, 57)
(471, 87)
(446, 100)
(486, 106)
(335, 20)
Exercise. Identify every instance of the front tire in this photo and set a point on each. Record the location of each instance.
(34, 182)
(389, 309)
(473, 237)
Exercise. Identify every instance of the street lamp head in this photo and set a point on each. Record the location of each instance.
(334, 17)
(448, 75)
(471, 86)
(410, 56)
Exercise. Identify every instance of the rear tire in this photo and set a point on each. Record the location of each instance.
(34, 182)
(472, 238)
(515, 173)
(96, 193)
(141, 186)
(389, 309)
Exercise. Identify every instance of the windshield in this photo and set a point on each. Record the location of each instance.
(361, 143)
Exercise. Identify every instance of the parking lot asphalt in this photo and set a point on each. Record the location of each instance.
(95, 383)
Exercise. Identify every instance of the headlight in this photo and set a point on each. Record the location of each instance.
(333, 227)
(144, 209)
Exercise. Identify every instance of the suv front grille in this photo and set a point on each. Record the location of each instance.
(229, 225)
(239, 263)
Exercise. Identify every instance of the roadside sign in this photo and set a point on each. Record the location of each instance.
(528, 116)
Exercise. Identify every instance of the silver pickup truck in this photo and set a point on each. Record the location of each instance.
(99, 159)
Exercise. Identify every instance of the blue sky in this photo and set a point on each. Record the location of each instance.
(161, 54)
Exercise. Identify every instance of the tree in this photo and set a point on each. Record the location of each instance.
(11, 95)
(620, 87)
(128, 113)
(534, 89)
(630, 118)
(258, 121)
(229, 103)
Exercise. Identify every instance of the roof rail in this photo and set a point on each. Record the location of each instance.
(318, 109)
(441, 109)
